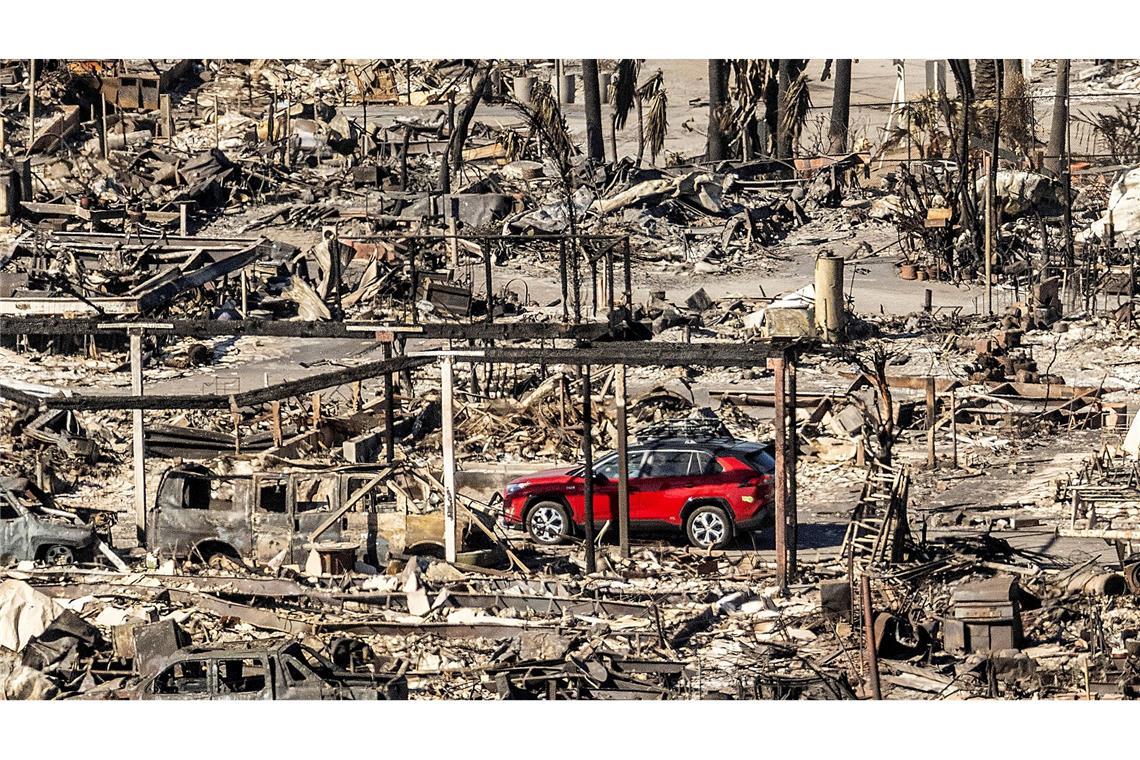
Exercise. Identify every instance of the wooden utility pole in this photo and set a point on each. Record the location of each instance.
(138, 442)
(954, 426)
(447, 401)
(623, 460)
(588, 472)
(776, 364)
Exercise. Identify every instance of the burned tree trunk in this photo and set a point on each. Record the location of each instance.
(783, 111)
(595, 144)
(459, 136)
(718, 94)
(1058, 131)
(840, 108)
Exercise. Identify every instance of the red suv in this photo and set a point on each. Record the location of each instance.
(713, 489)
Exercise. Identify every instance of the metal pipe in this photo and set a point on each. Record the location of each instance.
(588, 472)
(447, 394)
(138, 442)
(623, 463)
(389, 410)
(792, 460)
(776, 364)
(869, 639)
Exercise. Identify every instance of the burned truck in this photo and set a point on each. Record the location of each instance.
(32, 529)
(279, 517)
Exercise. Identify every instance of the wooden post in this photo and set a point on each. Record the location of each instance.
(954, 425)
(928, 301)
(447, 393)
(931, 460)
(623, 456)
(217, 120)
(103, 126)
(138, 441)
(793, 459)
(166, 118)
(244, 294)
(869, 639)
(183, 218)
(588, 472)
(275, 416)
(317, 411)
(357, 392)
(453, 234)
(776, 364)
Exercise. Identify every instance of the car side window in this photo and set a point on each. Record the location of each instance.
(242, 675)
(608, 467)
(294, 671)
(666, 464)
(703, 463)
(8, 512)
(187, 677)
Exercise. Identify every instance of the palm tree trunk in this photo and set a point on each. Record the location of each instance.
(459, 136)
(783, 119)
(840, 108)
(718, 81)
(1059, 128)
(595, 143)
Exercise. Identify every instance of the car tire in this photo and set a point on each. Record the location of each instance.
(548, 523)
(57, 554)
(708, 527)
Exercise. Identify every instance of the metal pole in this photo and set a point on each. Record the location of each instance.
(447, 394)
(31, 107)
(931, 461)
(954, 425)
(793, 457)
(623, 464)
(776, 364)
(588, 472)
(138, 441)
(989, 237)
(869, 639)
(389, 409)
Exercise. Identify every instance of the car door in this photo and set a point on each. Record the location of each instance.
(606, 483)
(14, 538)
(242, 676)
(658, 493)
(185, 679)
(315, 497)
(272, 530)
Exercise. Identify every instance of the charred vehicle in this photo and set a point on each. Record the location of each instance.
(279, 516)
(284, 670)
(32, 529)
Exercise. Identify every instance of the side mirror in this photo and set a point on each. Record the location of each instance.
(600, 478)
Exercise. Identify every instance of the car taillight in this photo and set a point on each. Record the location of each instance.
(755, 481)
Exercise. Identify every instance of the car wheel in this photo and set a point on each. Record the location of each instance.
(59, 555)
(548, 523)
(708, 527)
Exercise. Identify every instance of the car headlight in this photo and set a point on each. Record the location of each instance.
(513, 488)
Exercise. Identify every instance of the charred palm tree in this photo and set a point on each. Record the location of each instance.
(717, 147)
(840, 108)
(595, 144)
(546, 121)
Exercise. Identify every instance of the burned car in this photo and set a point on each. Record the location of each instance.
(283, 670)
(268, 517)
(31, 529)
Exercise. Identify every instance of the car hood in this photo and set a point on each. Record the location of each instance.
(555, 473)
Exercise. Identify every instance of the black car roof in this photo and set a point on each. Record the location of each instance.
(712, 445)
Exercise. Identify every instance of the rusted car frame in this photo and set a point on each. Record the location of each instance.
(280, 671)
(30, 529)
(266, 516)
